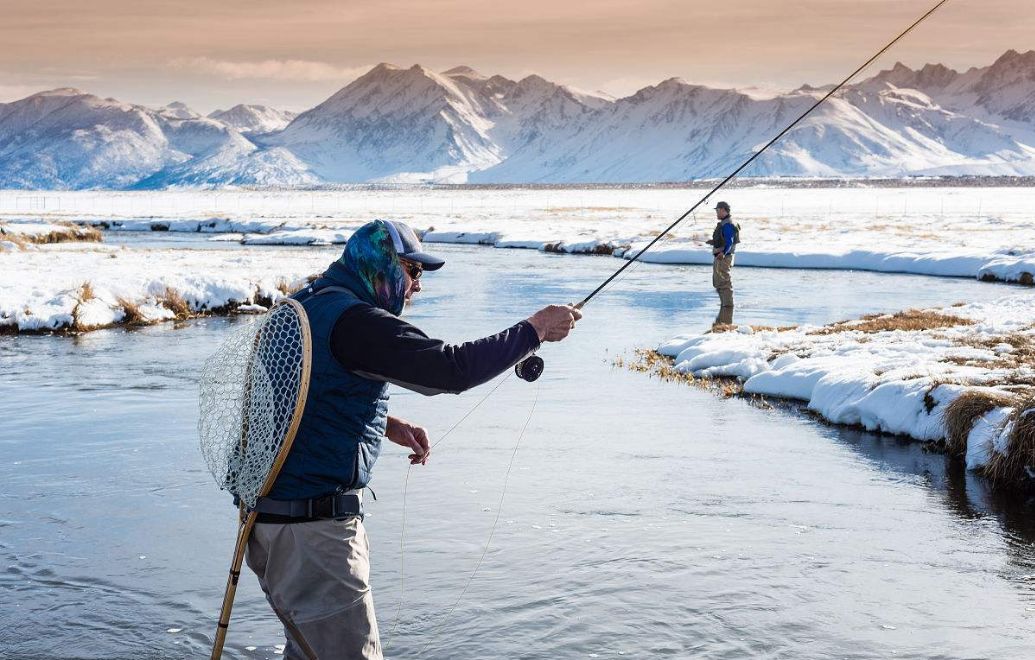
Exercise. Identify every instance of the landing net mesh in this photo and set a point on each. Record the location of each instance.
(250, 393)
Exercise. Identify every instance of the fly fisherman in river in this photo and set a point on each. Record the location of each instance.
(309, 548)
(724, 244)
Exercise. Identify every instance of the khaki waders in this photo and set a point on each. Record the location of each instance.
(722, 280)
(316, 575)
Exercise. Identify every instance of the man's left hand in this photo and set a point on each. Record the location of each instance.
(412, 437)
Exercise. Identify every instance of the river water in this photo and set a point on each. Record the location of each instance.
(641, 519)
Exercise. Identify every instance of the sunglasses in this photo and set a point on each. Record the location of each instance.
(414, 269)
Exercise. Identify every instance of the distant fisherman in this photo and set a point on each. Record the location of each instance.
(724, 245)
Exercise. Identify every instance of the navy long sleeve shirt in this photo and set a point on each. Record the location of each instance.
(376, 344)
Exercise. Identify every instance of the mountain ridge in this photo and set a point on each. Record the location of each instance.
(412, 124)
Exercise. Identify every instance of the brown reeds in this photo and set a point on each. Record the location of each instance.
(172, 300)
(68, 232)
(961, 414)
(908, 320)
(132, 315)
(1017, 463)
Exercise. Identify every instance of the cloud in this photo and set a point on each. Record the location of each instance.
(296, 70)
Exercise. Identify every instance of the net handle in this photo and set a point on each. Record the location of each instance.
(248, 518)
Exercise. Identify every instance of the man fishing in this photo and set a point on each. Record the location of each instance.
(724, 244)
(309, 548)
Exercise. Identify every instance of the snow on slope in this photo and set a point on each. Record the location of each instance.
(254, 118)
(67, 139)
(393, 124)
(414, 125)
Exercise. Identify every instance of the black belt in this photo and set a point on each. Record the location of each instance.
(338, 505)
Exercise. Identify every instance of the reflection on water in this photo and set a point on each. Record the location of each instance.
(642, 518)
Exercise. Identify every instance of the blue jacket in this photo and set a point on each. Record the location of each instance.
(339, 437)
(360, 345)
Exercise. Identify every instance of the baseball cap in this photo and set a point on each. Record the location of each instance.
(722, 205)
(408, 246)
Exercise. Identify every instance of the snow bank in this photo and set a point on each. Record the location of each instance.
(961, 262)
(65, 289)
(191, 225)
(947, 231)
(23, 233)
(894, 381)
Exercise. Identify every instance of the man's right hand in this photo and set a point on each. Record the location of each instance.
(554, 322)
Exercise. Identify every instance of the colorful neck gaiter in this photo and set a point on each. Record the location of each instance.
(371, 258)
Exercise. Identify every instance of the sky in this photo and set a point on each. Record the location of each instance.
(294, 54)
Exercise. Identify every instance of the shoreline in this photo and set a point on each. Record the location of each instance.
(961, 378)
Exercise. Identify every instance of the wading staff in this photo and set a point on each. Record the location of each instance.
(532, 367)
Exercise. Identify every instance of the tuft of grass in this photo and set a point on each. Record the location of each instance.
(86, 292)
(653, 363)
(172, 300)
(133, 315)
(1018, 463)
(17, 239)
(909, 320)
(961, 414)
(82, 295)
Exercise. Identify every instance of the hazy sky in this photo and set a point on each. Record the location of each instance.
(294, 53)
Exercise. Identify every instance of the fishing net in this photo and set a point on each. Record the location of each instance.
(253, 392)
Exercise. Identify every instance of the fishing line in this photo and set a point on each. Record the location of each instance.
(406, 487)
(537, 369)
(492, 530)
(761, 151)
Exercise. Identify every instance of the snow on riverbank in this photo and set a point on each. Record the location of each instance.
(912, 374)
(82, 289)
(25, 235)
(1004, 265)
(959, 232)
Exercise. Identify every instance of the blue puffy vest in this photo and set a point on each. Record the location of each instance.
(339, 437)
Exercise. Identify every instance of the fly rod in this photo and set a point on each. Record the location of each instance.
(758, 153)
(532, 367)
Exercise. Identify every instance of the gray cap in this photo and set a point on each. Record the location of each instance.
(408, 246)
(723, 205)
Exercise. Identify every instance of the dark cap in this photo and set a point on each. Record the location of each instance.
(723, 205)
(408, 246)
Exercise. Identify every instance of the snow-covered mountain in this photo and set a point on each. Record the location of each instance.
(393, 124)
(254, 118)
(66, 138)
(415, 125)
(1005, 89)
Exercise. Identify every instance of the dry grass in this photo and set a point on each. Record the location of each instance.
(69, 232)
(961, 414)
(653, 363)
(17, 239)
(1017, 464)
(133, 315)
(909, 320)
(172, 300)
(86, 292)
(1021, 357)
(82, 295)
